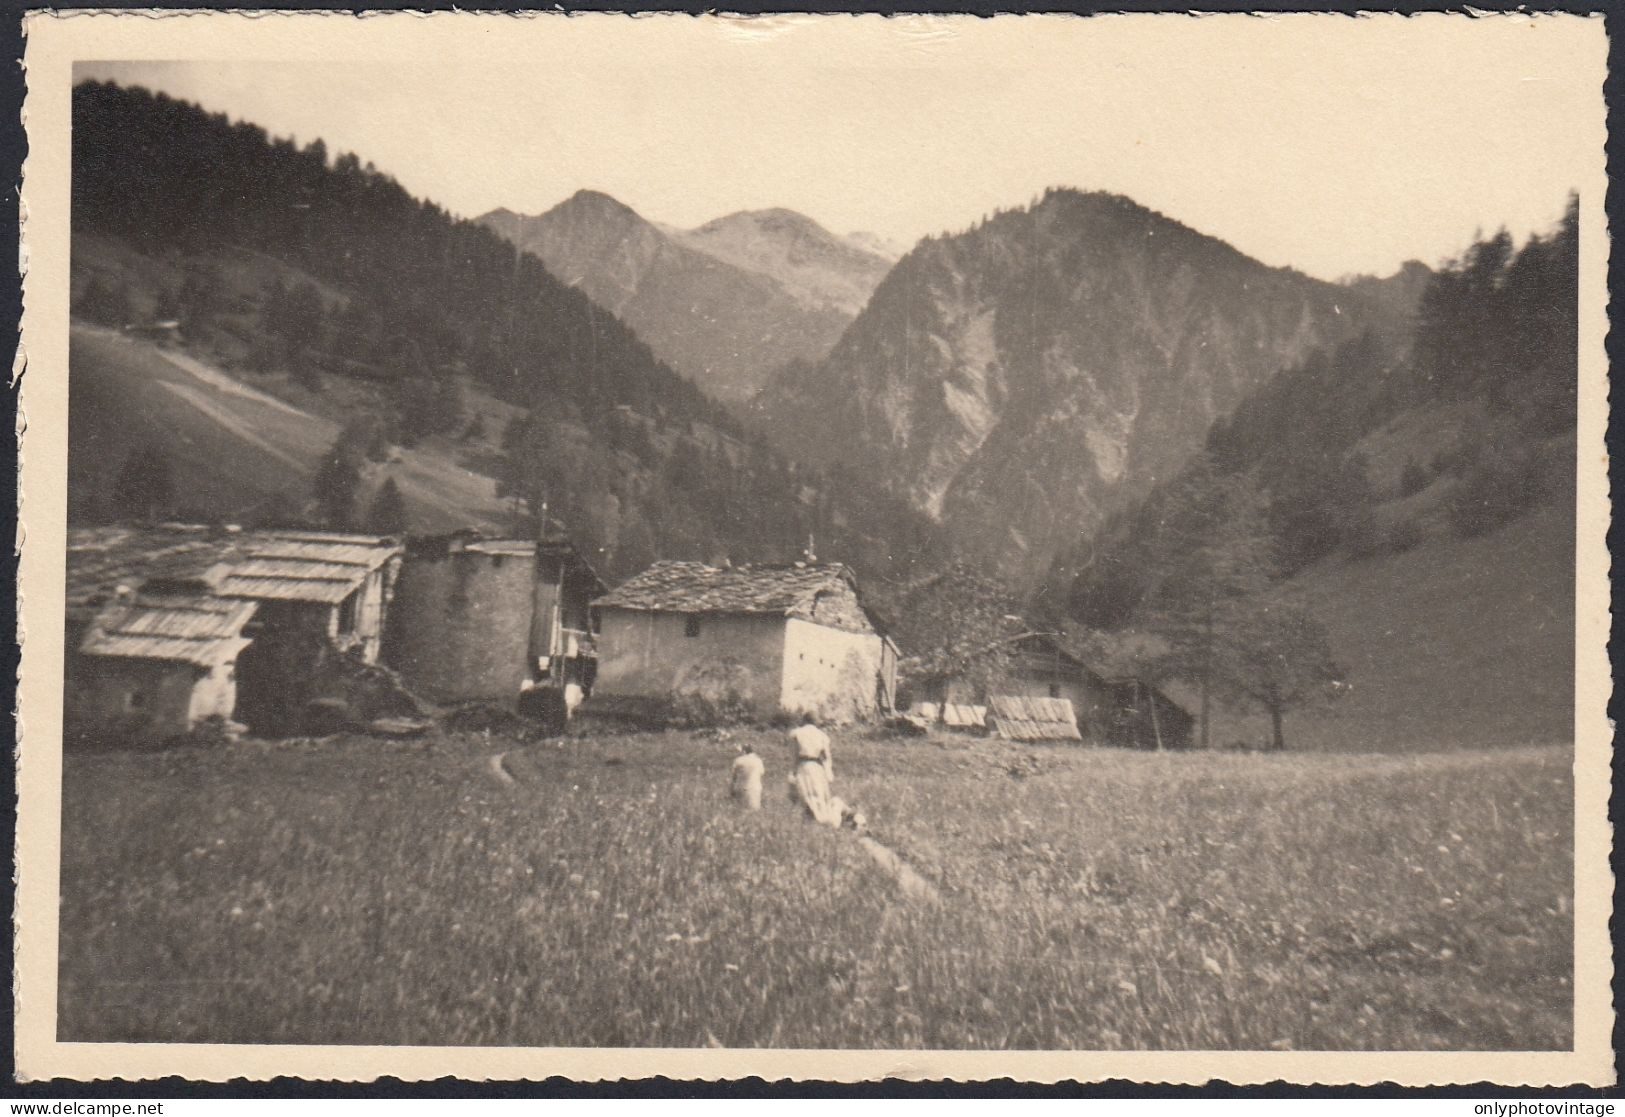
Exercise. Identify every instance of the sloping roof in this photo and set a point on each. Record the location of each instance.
(103, 559)
(469, 541)
(320, 591)
(1052, 645)
(694, 587)
(958, 715)
(314, 566)
(320, 567)
(367, 551)
(1172, 695)
(1020, 718)
(186, 628)
(565, 549)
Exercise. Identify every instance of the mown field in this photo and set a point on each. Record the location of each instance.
(361, 891)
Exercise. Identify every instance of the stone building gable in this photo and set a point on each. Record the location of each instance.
(835, 607)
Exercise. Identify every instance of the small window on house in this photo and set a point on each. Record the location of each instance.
(496, 561)
(349, 609)
(691, 625)
(136, 699)
(595, 621)
(1055, 690)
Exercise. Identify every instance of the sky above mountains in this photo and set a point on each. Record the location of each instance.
(1329, 144)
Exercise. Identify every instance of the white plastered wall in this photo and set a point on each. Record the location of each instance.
(830, 673)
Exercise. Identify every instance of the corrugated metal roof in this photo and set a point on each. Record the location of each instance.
(197, 629)
(1021, 718)
(694, 587)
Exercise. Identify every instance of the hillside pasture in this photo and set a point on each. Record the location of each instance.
(235, 446)
(1459, 640)
(606, 892)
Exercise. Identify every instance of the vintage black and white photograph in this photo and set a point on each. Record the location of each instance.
(821, 533)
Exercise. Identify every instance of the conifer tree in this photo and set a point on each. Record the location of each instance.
(387, 516)
(337, 484)
(1211, 550)
(145, 488)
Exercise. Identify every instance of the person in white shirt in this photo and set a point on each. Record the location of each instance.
(812, 773)
(746, 782)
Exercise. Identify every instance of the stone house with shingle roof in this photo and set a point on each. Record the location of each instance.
(168, 625)
(151, 665)
(767, 639)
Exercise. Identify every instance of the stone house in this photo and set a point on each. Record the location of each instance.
(766, 640)
(154, 665)
(477, 618)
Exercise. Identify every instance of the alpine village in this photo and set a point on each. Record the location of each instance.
(425, 576)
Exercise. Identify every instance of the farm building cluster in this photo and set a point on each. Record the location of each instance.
(276, 633)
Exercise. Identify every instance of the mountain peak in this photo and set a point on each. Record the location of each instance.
(775, 218)
(1097, 203)
(596, 202)
(818, 268)
(723, 305)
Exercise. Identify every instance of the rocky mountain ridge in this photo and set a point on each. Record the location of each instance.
(724, 304)
(1017, 380)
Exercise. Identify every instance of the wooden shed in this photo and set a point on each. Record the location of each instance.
(1014, 717)
(302, 596)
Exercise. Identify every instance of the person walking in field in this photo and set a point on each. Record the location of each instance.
(746, 783)
(812, 773)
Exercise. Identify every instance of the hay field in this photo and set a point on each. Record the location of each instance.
(362, 891)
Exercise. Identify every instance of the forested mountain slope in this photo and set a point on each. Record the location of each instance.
(1419, 501)
(299, 272)
(1019, 380)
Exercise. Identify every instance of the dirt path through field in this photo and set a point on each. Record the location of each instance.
(912, 883)
(497, 764)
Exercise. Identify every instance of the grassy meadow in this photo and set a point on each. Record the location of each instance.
(363, 891)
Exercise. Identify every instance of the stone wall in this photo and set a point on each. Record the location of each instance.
(647, 655)
(838, 608)
(831, 674)
(460, 625)
(143, 701)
